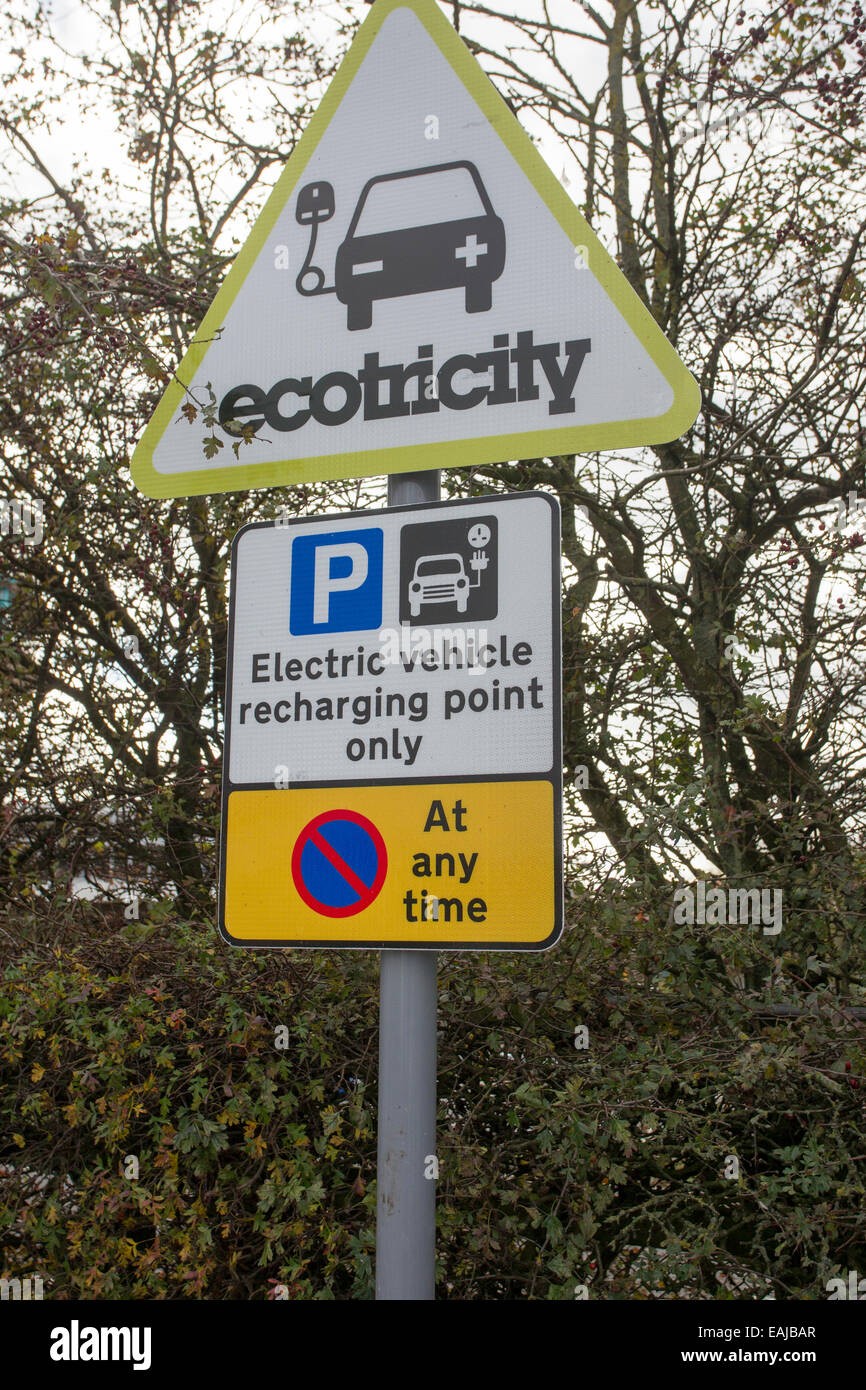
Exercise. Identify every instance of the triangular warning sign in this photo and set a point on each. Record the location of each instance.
(418, 292)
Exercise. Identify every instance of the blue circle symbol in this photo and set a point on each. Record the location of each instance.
(339, 863)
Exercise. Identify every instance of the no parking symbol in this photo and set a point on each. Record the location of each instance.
(339, 863)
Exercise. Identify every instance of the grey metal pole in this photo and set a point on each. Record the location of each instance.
(406, 1187)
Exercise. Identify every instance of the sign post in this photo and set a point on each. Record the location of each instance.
(406, 1169)
(405, 1184)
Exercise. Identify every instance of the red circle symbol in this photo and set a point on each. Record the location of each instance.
(339, 863)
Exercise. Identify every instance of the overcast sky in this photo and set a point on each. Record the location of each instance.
(90, 136)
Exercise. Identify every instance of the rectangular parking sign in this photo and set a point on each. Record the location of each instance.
(393, 730)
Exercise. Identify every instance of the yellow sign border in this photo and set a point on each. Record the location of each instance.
(463, 453)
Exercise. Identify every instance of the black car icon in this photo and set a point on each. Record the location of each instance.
(420, 230)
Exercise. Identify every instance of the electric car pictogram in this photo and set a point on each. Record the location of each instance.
(439, 579)
(454, 239)
(448, 571)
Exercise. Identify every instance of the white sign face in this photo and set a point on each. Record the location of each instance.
(393, 732)
(418, 278)
(410, 644)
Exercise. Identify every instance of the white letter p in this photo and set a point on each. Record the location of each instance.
(325, 584)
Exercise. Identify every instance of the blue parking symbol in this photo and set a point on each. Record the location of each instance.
(336, 582)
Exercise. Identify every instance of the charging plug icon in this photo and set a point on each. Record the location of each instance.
(479, 537)
(315, 205)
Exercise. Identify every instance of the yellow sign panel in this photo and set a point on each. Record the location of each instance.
(462, 864)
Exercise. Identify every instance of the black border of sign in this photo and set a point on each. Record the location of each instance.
(553, 776)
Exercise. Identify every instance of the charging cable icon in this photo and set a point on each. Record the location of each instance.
(315, 205)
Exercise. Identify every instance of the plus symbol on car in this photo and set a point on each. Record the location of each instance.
(471, 251)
